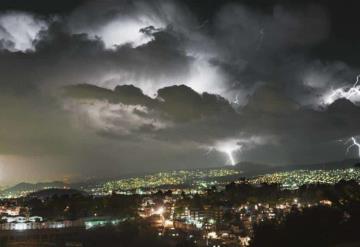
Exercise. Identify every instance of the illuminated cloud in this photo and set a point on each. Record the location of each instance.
(114, 119)
(19, 30)
(206, 77)
(121, 31)
(353, 143)
(231, 147)
(268, 62)
(350, 93)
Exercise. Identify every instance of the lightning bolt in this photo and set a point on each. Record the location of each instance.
(231, 147)
(354, 143)
(236, 101)
(357, 81)
(352, 93)
(228, 152)
(228, 147)
(231, 157)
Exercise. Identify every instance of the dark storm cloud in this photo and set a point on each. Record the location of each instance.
(269, 113)
(258, 46)
(41, 6)
(186, 114)
(95, 82)
(176, 102)
(39, 125)
(305, 134)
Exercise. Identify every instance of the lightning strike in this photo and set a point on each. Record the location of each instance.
(236, 101)
(231, 158)
(352, 93)
(353, 144)
(228, 147)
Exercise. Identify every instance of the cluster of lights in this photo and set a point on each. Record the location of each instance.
(295, 179)
(164, 178)
(159, 211)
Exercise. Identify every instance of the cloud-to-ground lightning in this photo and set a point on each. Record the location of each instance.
(231, 158)
(236, 101)
(352, 93)
(354, 143)
(231, 147)
(228, 147)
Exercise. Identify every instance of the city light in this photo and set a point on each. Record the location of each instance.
(159, 211)
(295, 179)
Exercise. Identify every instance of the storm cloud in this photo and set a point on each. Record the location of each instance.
(107, 85)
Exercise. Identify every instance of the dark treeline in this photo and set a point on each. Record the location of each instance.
(318, 225)
(129, 234)
(237, 194)
(79, 206)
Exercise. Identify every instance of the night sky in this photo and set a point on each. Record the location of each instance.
(111, 87)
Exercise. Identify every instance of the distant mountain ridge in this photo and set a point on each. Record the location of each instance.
(251, 168)
(248, 169)
(346, 163)
(35, 186)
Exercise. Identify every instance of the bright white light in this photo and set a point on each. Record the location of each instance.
(20, 30)
(201, 76)
(118, 118)
(233, 146)
(125, 30)
(231, 157)
(354, 143)
(20, 226)
(352, 93)
(159, 211)
(212, 235)
(236, 101)
(228, 147)
(204, 76)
